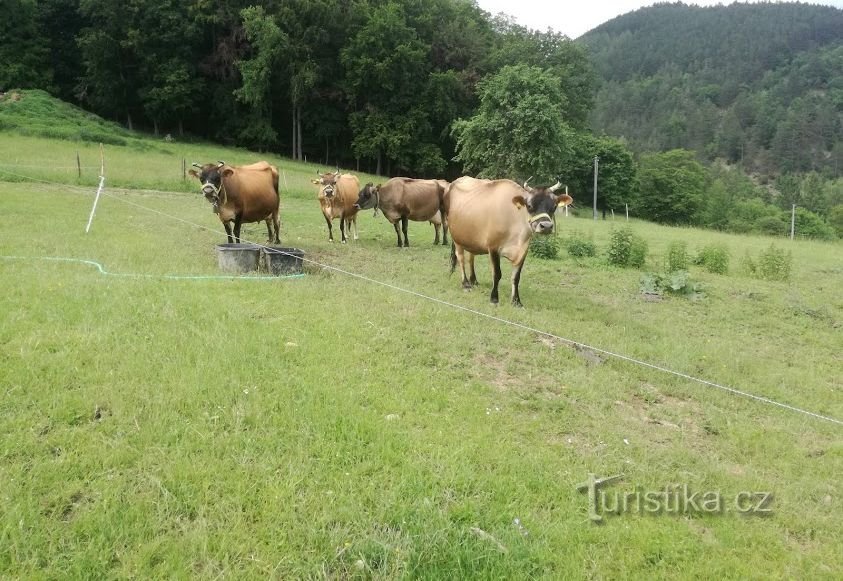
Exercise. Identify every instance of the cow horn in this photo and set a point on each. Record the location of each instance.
(526, 182)
(197, 165)
(556, 186)
(221, 163)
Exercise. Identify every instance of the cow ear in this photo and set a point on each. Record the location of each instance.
(564, 200)
(227, 172)
(194, 173)
(519, 201)
(316, 182)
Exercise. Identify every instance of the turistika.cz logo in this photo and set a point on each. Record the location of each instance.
(675, 499)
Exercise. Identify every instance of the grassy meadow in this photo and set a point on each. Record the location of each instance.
(325, 426)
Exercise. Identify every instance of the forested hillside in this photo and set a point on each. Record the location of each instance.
(756, 84)
(371, 81)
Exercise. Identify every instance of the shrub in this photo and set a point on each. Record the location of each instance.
(677, 256)
(774, 264)
(810, 225)
(579, 247)
(545, 247)
(627, 249)
(677, 282)
(714, 258)
(772, 225)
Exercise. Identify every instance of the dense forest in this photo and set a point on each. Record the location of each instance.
(721, 117)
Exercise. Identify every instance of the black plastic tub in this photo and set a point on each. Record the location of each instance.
(238, 258)
(281, 261)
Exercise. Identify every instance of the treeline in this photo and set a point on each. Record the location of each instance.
(339, 81)
(760, 85)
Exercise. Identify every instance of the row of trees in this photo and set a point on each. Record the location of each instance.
(335, 80)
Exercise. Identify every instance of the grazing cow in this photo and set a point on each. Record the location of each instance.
(245, 193)
(498, 218)
(404, 199)
(338, 197)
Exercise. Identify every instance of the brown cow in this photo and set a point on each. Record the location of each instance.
(338, 197)
(403, 199)
(498, 218)
(246, 193)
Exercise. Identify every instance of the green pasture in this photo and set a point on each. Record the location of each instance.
(326, 426)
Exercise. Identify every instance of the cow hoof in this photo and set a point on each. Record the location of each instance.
(517, 304)
(344, 241)
(494, 301)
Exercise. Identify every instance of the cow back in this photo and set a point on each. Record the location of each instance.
(252, 190)
(482, 216)
(411, 198)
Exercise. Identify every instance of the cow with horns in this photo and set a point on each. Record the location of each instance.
(498, 218)
(238, 194)
(338, 199)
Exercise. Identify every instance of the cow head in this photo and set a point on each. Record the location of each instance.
(328, 181)
(211, 176)
(368, 197)
(541, 204)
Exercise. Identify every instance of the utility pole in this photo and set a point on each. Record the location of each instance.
(792, 221)
(596, 162)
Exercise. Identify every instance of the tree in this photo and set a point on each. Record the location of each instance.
(617, 180)
(672, 187)
(24, 60)
(387, 71)
(518, 130)
(267, 41)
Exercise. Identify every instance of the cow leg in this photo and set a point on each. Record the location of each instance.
(404, 222)
(459, 251)
(268, 230)
(342, 228)
(517, 265)
(436, 239)
(356, 231)
(444, 230)
(276, 221)
(228, 231)
(397, 232)
(472, 278)
(330, 229)
(496, 276)
(237, 223)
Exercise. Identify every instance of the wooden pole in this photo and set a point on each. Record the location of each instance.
(627, 212)
(78, 164)
(596, 162)
(183, 169)
(792, 221)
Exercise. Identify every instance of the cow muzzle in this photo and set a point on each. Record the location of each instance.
(541, 224)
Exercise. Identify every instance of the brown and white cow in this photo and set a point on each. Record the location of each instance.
(404, 199)
(337, 198)
(498, 218)
(245, 193)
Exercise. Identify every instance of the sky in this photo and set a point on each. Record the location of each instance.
(576, 18)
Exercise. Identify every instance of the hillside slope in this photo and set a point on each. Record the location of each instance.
(760, 84)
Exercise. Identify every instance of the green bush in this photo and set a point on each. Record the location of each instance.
(810, 225)
(627, 248)
(545, 247)
(580, 247)
(774, 264)
(677, 256)
(772, 225)
(714, 258)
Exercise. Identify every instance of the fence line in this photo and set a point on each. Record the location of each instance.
(571, 342)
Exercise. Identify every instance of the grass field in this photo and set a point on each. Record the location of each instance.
(326, 426)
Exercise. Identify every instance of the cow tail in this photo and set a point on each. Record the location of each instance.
(453, 256)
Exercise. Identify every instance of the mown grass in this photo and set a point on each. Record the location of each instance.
(328, 426)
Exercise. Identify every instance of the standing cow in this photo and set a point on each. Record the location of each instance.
(498, 218)
(403, 199)
(337, 198)
(245, 193)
